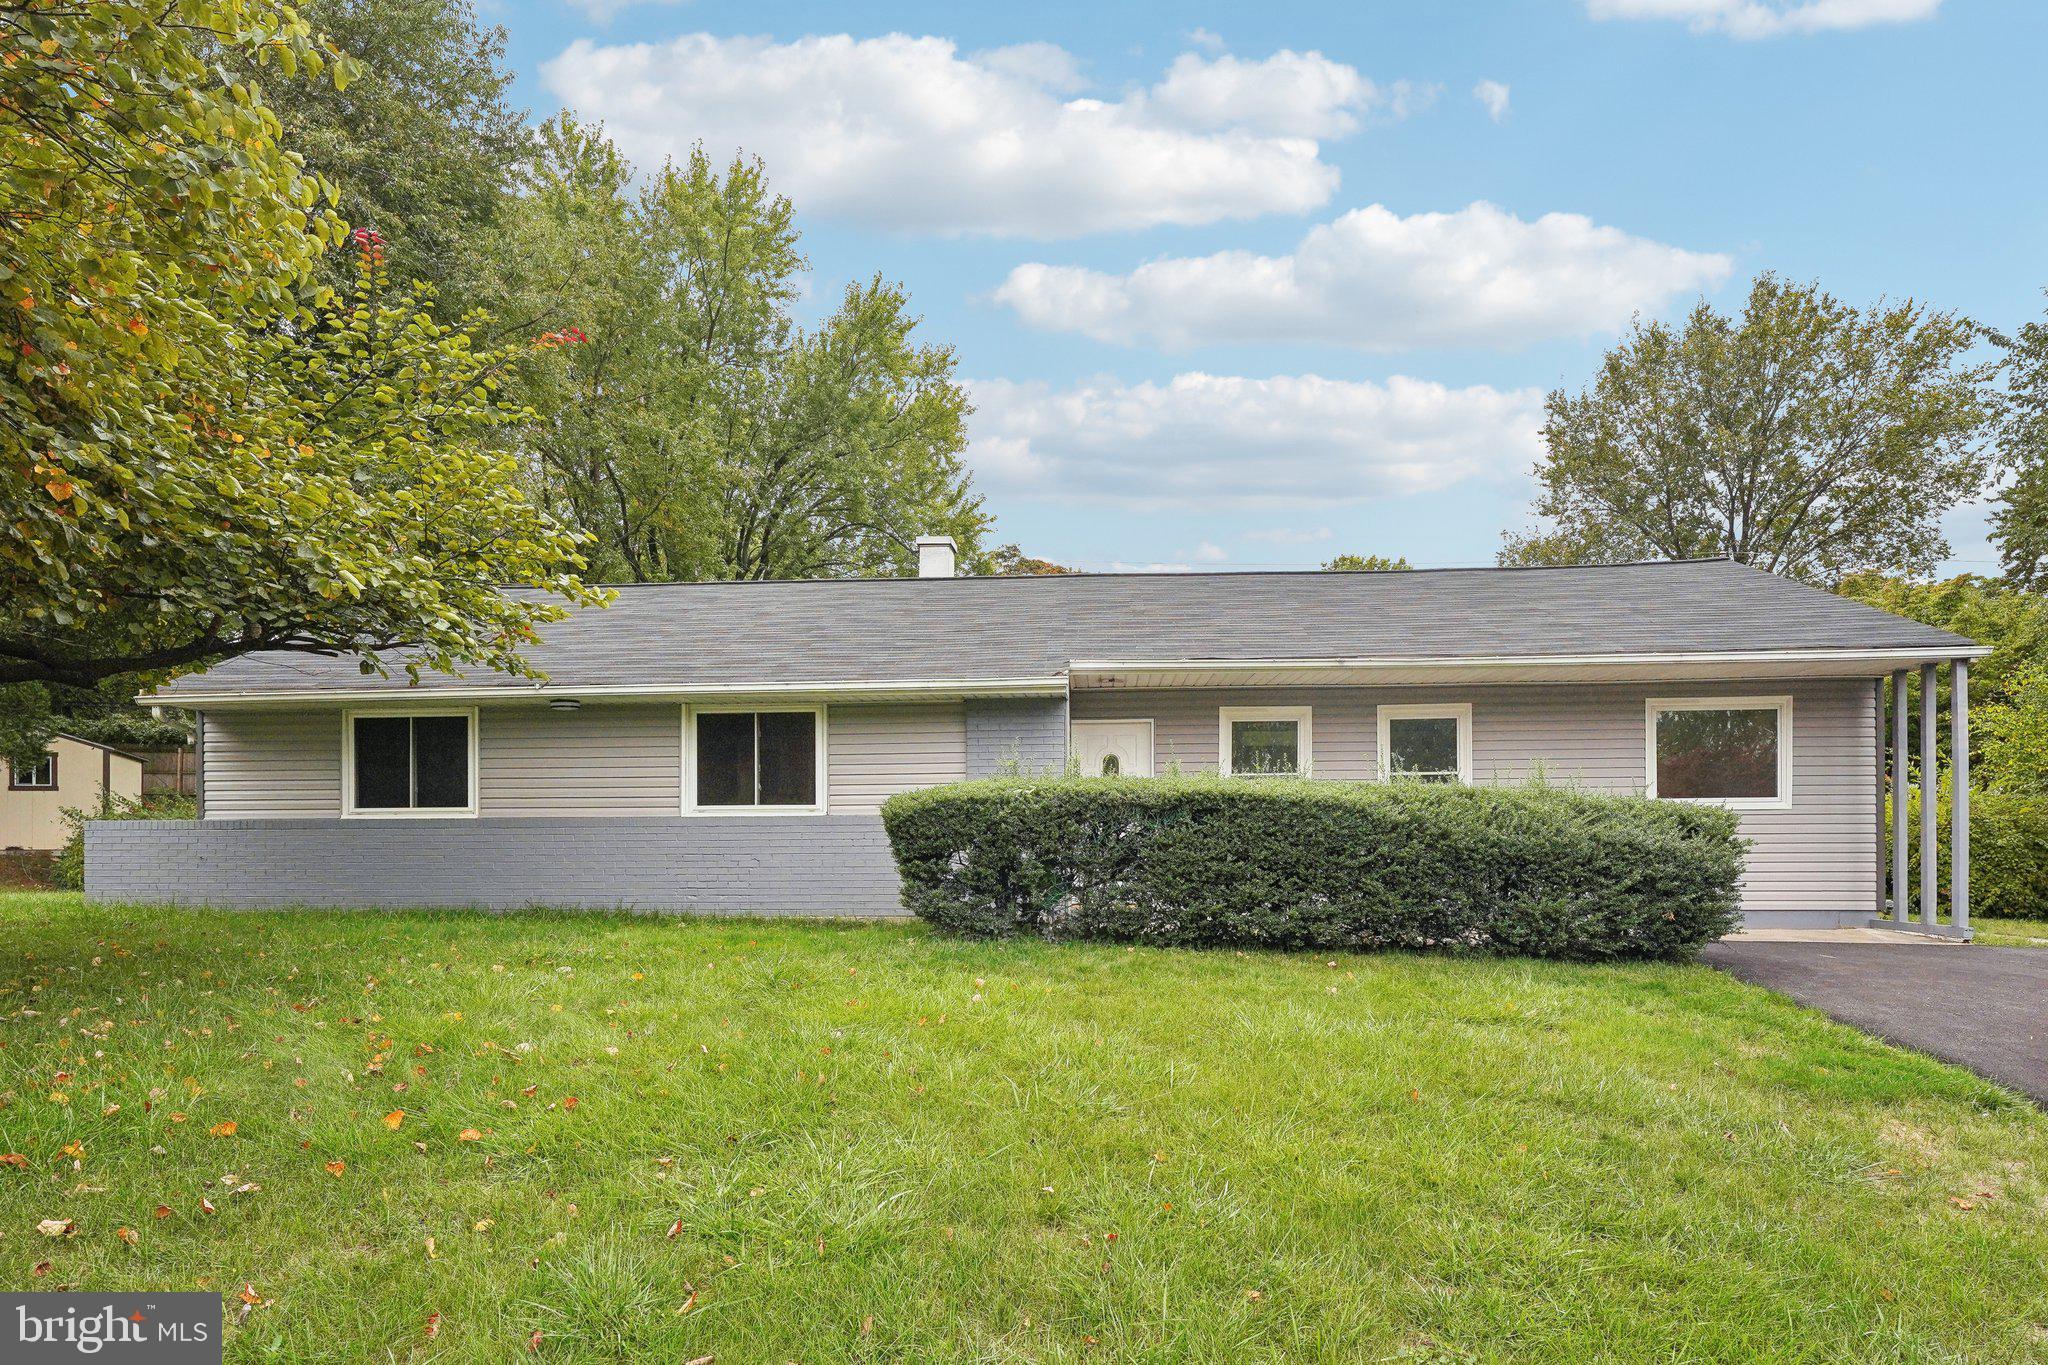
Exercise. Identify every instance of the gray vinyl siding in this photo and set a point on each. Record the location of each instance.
(1817, 858)
(283, 764)
(604, 760)
(1027, 734)
(873, 752)
(601, 760)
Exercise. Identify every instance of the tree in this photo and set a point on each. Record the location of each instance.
(2019, 526)
(1806, 437)
(422, 145)
(205, 455)
(1010, 561)
(352, 498)
(700, 433)
(1368, 564)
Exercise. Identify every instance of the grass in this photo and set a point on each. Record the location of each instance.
(1997, 932)
(820, 1142)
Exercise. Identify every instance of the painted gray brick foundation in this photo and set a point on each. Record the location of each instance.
(761, 865)
(1030, 732)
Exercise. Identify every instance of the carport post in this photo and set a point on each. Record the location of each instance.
(1930, 791)
(1959, 797)
(1879, 702)
(1902, 907)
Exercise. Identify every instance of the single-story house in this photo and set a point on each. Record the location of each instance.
(73, 774)
(726, 747)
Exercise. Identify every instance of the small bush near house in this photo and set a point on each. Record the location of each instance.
(67, 869)
(1197, 861)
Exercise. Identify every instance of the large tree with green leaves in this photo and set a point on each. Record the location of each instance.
(422, 146)
(2019, 524)
(699, 432)
(1804, 436)
(204, 453)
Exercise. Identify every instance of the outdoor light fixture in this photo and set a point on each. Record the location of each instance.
(565, 704)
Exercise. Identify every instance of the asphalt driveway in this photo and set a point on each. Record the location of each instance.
(1981, 1008)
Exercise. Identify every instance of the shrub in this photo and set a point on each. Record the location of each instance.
(2008, 852)
(68, 868)
(1311, 864)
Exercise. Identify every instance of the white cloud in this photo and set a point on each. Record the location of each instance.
(1768, 18)
(1289, 94)
(1206, 40)
(905, 133)
(1378, 281)
(1493, 96)
(604, 11)
(1207, 441)
(1209, 552)
(1046, 64)
(1289, 535)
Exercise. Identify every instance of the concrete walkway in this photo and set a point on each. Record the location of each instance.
(1981, 1008)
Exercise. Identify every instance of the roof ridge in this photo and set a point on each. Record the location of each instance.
(1171, 574)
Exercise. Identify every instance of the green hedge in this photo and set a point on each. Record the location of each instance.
(2008, 853)
(1289, 863)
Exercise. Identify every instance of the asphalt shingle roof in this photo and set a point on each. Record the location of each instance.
(981, 629)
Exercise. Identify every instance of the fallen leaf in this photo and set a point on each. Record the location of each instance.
(570, 1102)
(533, 1342)
(675, 1229)
(57, 1227)
(468, 1135)
(250, 1296)
(394, 1118)
(127, 1235)
(225, 1128)
(335, 1168)
(163, 1210)
(688, 1303)
(14, 1159)
(432, 1254)
(205, 1204)
(485, 1224)
(41, 1269)
(433, 1326)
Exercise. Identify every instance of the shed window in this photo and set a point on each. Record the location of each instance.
(417, 763)
(1729, 750)
(38, 776)
(758, 759)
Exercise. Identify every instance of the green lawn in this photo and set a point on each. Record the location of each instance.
(769, 1142)
(2010, 933)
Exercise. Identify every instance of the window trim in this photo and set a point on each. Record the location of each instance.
(13, 775)
(349, 809)
(1302, 716)
(1781, 704)
(1460, 711)
(688, 795)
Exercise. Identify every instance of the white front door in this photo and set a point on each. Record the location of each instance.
(1113, 748)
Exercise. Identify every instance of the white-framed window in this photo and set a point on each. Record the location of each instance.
(1265, 741)
(754, 760)
(417, 762)
(1426, 742)
(1726, 751)
(40, 776)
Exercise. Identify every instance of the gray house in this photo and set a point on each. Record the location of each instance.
(727, 746)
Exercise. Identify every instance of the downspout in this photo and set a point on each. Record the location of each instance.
(199, 762)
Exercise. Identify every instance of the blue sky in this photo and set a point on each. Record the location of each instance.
(1244, 286)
